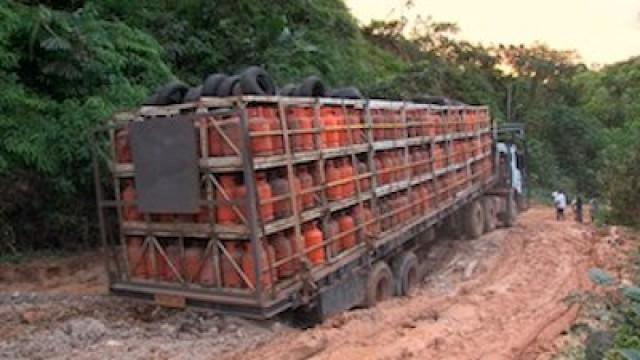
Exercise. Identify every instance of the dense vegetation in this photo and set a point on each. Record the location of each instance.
(65, 66)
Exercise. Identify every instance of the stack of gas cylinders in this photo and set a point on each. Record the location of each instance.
(285, 192)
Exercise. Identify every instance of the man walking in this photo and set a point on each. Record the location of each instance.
(560, 201)
(579, 208)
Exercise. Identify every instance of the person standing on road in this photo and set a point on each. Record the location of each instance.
(578, 207)
(560, 201)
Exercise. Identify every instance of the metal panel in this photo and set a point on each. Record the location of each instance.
(165, 159)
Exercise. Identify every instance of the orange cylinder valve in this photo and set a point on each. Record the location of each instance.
(313, 240)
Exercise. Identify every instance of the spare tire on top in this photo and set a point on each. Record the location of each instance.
(169, 94)
(212, 83)
(288, 90)
(256, 81)
(311, 87)
(350, 92)
(193, 94)
(229, 87)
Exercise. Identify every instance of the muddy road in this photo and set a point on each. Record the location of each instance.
(501, 296)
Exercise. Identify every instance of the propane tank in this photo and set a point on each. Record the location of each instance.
(365, 182)
(260, 144)
(389, 164)
(330, 136)
(306, 183)
(343, 135)
(264, 195)
(270, 115)
(282, 249)
(136, 257)
(123, 150)
(280, 187)
(192, 257)
(225, 213)
(313, 238)
(265, 261)
(334, 192)
(356, 118)
(347, 224)
(230, 276)
(130, 211)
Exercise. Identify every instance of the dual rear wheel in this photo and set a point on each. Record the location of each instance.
(385, 281)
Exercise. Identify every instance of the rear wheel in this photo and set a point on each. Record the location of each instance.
(511, 212)
(474, 220)
(379, 284)
(405, 271)
(490, 214)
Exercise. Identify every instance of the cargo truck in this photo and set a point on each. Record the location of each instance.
(259, 205)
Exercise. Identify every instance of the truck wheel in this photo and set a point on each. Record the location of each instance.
(379, 284)
(474, 220)
(405, 271)
(490, 214)
(510, 215)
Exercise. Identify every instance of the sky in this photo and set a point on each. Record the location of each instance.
(601, 31)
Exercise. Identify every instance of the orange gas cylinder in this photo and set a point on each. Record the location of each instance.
(282, 248)
(261, 144)
(208, 272)
(348, 188)
(230, 276)
(356, 120)
(365, 216)
(130, 211)
(379, 163)
(389, 122)
(266, 255)
(334, 174)
(377, 117)
(192, 262)
(135, 257)
(225, 213)
(341, 123)
(330, 135)
(264, 196)
(280, 187)
(365, 182)
(123, 150)
(271, 116)
(333, 232)
(399, 163)
(389, 165)
(313, 238)
(399, 125)
(347, 224)
(306, 182)
(301, 120)
(231, 128)
(175, 258)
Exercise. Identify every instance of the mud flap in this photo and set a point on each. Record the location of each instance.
(346, 294)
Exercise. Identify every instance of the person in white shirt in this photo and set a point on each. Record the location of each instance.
(560, 201)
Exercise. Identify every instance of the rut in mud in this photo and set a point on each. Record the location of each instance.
(497, 297)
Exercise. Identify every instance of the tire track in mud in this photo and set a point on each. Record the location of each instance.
(511, 308)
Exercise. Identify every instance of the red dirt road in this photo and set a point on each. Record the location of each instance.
(506, 303)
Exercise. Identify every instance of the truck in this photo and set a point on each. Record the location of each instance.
(261, 205)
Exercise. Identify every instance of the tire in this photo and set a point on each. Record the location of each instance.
(346, 93)
(169, 94)
(193, 94)
(379, 284)
(490, 214)
(212, 83)
(256, 81)
(405, 271)
(311, 87)
(510, 216)
(226, 87)
(288, 90)
(474, 220)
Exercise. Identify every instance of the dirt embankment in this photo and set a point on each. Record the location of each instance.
(497, 297)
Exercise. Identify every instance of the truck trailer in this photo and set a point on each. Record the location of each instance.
(259, 205)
